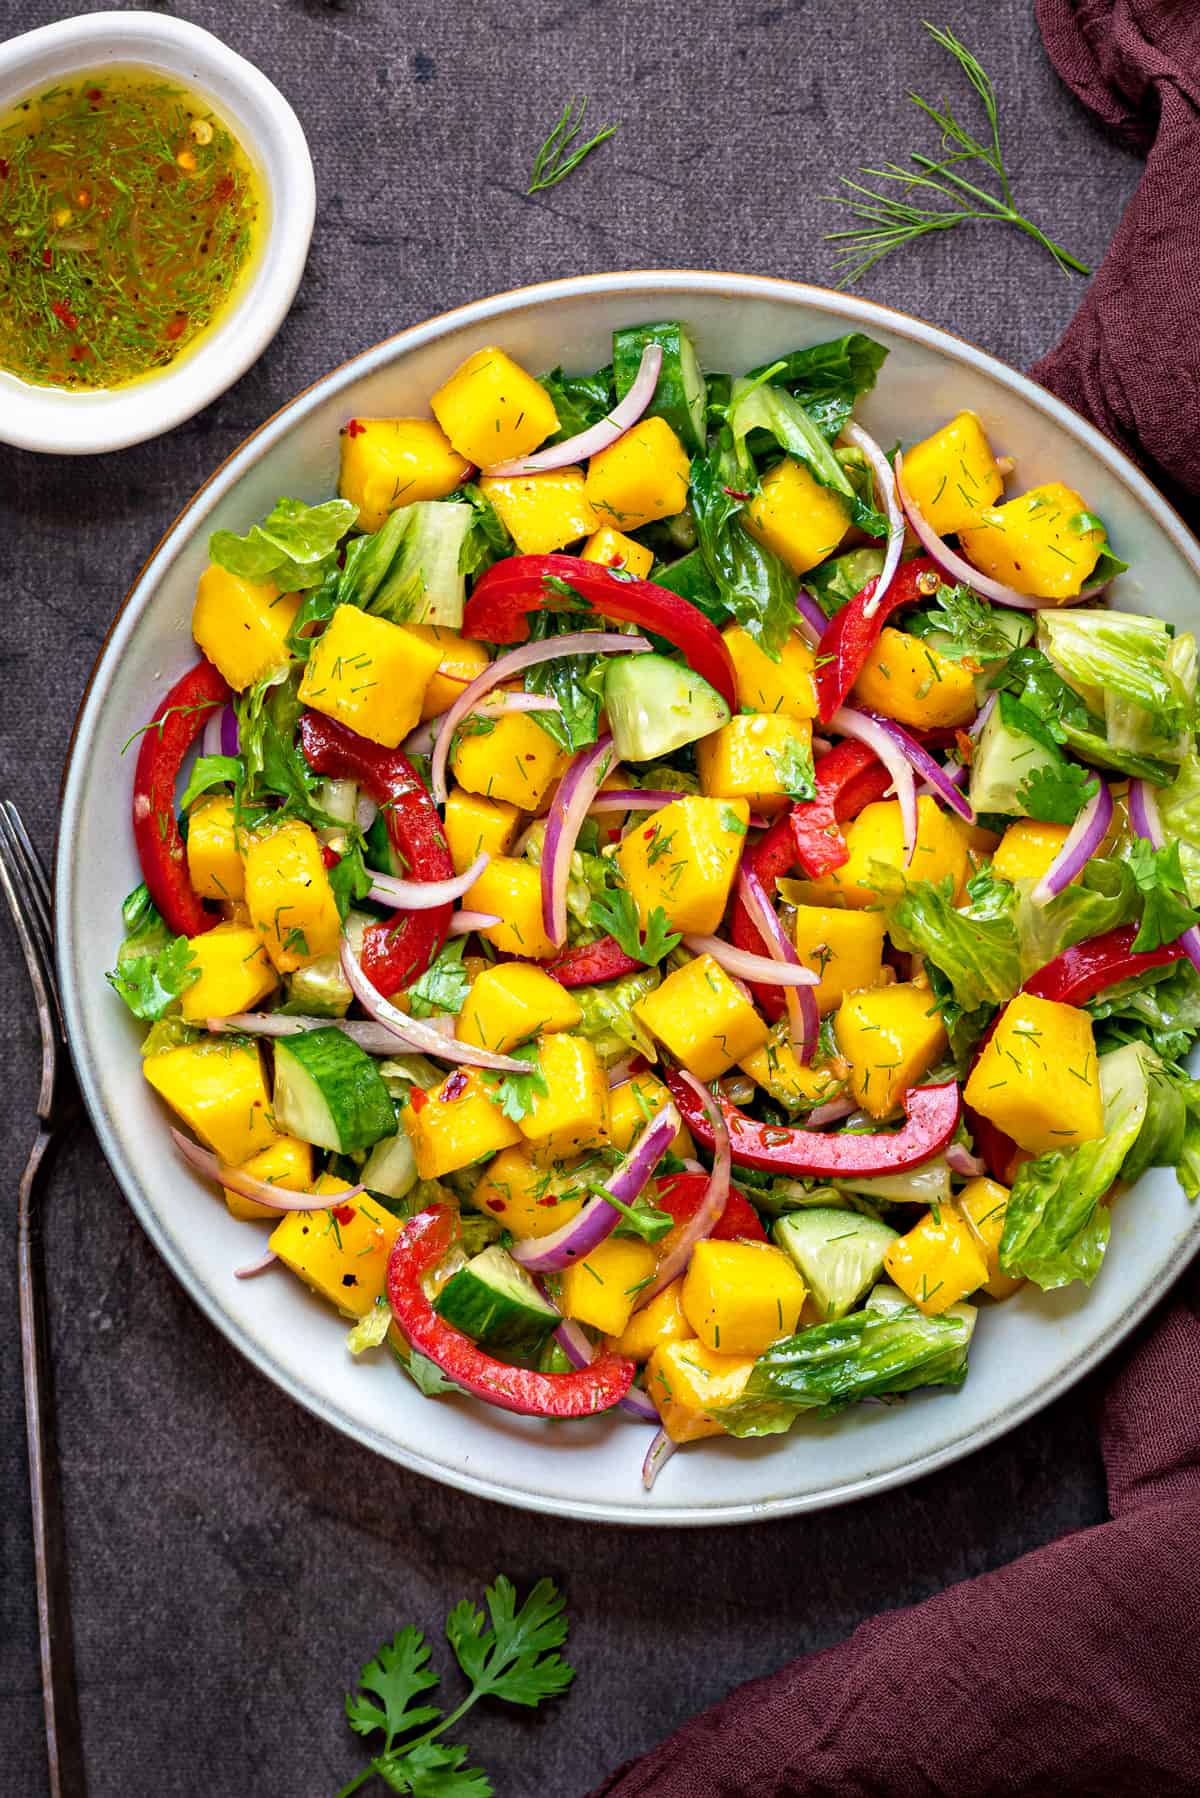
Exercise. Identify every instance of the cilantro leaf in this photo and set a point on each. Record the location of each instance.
(349, 878)
(794, 770)
(444, 984)
(388, 1685)
(1166, 913)
(514, 1659)
(1044, 692)
(432, 1770)
(968, 628)
(1057, 795)
(615, 912)
(151, 984)
(517, 1092)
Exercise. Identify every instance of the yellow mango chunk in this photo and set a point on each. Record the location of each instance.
(662, 1320)
(938, 1262)
(877, 835)
(907, 679)
(370, 675)
(764, 685)
(601, 1290)
(516, 761)
(512, 1002)
(213, 852)
(641, 477)
(572, 1115)
(616, 550)
(528, 1199)
(703, 1018)
(797, 518)
(341, 1253)
(953, 475)
(984, 1203)
(683, 859)
(844, 947)
(689, 1383)
(475, 826)
(461, 660)
(758, 757)
(286, 1162)
(740, 1297)
(235, 973)
(511, 890)
(543, 512)
(1027, 849)
(456, 1124)
(492, 410)
(1045, 542)
(1037, 1078)
(290, 899)
(390, 462)
(891, 1037)
(217, 1088)
(779, 1071)
(630, 1108)
(242, 626)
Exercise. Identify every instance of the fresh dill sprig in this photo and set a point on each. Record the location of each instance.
(907, 210)
(556, 158)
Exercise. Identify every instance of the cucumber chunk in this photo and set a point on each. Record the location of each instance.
(655, 706)
(494, 1301)
(391, 1167)
(837, 1253)
(328, 1091)
(423, 585)
(889, 1299)
(379, 853)
(690, 578)
(1004, 758)
(321, 990)
(681, 397)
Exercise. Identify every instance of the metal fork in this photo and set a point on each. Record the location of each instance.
(28, 893)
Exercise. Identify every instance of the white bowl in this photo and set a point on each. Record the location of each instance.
(84, 423)
(1026, 1351)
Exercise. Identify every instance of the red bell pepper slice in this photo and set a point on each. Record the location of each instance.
(175, 726)
(591, 963)
(851, 635)
(396, 952)
(681, 1195)
(1085, 969)
(421, 1244)
(931, 1114)
(497, 611)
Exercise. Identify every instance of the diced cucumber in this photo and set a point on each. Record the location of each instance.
(690, 578)
(391, 1167)
(328, 1092)
(889, 1299)
(681, 397)
(838, 1254)
(1018, 627)
(655, 706)
(379, 852)
(321, 990)
(1003, 760)
(423, 584)
(494, 1301)
(928, 1184)
(339, 799)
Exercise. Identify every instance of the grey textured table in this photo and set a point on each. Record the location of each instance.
(234, 1561)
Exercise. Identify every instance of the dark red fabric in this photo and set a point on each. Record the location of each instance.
(1077, 1669)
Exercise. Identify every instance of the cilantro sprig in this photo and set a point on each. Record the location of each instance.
(509, 1653)
(1057, 795)
(1166, 913)
(517, 1092)
(616, 912)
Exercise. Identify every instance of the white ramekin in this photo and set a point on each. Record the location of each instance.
(80, 424)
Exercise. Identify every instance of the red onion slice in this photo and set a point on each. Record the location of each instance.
(416, 1033)
(804, 1020)
(1147, 822)
(572, 1340)
(210, 742)
(633, 799)
(960, 1160)
(982, 715)
(766, 970)
(885, 487)
(598, 1219)
(425, 895)
(832, 1113)
(864, 727)
(1084, 838)
(599, 436)
(375, 1039)
(657, 1456)
(711, 1208)
(231, 743)
(812, 617)
(462, 923)
(506, 667)
(421, 740)
(256, 1267)
(568, 809)
(237, 1180)
(923, 764)
(954, 564)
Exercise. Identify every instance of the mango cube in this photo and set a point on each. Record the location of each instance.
(891, 1036)
(456, 1124)
(690, 1383)
(527, 1199)
(290, 899)
(938, 1262)
(391, 462)
(616, 550)
(642, 476)
(476, 826)
(492, 410)
(235, 973)
(984, 1203)
(515, 760)
(905, 678)
(342, 1253)
(759, 757)
(512, 1002)
(511, 890)
(601, 1290)
(877, 835)
(779, 1071)
(662, 1320)
(1045, 542)
(764, 685)
(543, 512)
(740, 1297)
(797, 518)
(287, 1162)
(242, 626)
(213, 852)
(953, 474)
(683, 859)
(572, 1115)
(844, 947)
(630, 1108)
(703, 1018)
(1037, 1077)
(217, 1088)
(1028, 848)
(370, 675)
(461, 660)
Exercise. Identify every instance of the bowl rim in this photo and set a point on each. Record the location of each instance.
(140, 596)
(56, 421)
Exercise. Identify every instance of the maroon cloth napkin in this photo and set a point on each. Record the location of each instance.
(1077, 1669)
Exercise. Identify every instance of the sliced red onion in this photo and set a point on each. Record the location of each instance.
(237, 1180)
(620, 1072)
(1084, 838)
(804, 1020)
(568, 809)
(598, 1219)
(416, 1033)
(981, 717)
(864, 727)
(711, 1208)
(960, 1160)
(375, 1039)
(633, 799)
(365, 812)
(507, 667)
(1146, 819)
(657, 1456)
(599, 436)
(572, 1340)
(464, 922)
(832, 1113)
(210, 742)
(955, 773)
(954, 564)
(256, 1267)
(821, 745)
(764, 969)
(885, 488)
(425, 895)
(231, 743)
(811, 616)
(421, 740)
(923, 764)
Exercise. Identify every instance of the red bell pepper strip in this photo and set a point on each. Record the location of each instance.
(681, 1194)
(421, 1244)
(851, 635)
(1085, 969)
(175, 726)
(591, 963)
(396, 952)
(931, 1114)
(497, 611)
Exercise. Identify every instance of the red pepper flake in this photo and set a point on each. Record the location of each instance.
(354, 428)
(648, 836)
(224, 189)
(418, 1099)
(64, 315)
(735, 493)
(47, 258)
(329, 857)
(345, 1214)
(495, 1204)
(454, 1087)
(78, 353)
(94, 95)
(177, 327)
(3, 169)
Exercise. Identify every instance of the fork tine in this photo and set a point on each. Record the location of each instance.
(39, 883)
(19, 879)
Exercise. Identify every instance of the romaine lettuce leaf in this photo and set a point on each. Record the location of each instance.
(1103, 897)
(834, 583)
(1179, 810)
(1130, 671)
(295, 545)
(827, 378)
(756, 405)
(1160, 1007)
(579, 400)
(975, 946)
(753, 584)
(608, 1017)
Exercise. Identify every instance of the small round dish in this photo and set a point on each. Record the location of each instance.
(64, 423)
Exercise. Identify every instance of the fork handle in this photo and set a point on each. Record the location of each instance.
(64, 1742)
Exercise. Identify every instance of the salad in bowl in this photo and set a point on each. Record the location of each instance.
(658, 902)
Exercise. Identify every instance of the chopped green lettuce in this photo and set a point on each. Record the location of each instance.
(1160, 1007)
(1179, 810)
(1103, 897)
(834, 582)
(975, 946)
(827, 378)
(579, 400)
(210, 771)
(752, 583)
(444, 984)
(295, 545)
(1166, 913)
(1130, 671)
(755, 405)
(608, 1016)
(154, 969)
